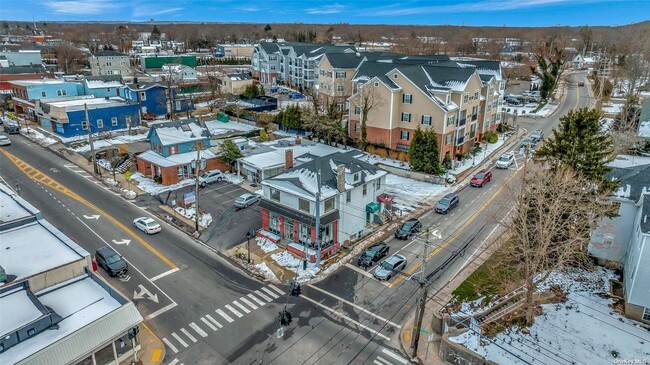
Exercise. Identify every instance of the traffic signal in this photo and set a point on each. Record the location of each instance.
(133, 332)
(295, 290)
(285, 318)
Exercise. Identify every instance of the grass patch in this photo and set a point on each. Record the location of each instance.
(539, 107)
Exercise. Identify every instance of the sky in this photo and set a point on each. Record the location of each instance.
(421, 12)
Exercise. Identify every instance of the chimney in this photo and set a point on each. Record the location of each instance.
(297, 140)
(340, 177)
(288, 159)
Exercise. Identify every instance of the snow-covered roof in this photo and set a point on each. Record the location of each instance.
(633, 181)
(180, 131)
(78, 102)
(275, 157)
(97, 84)
(174, 160)
(217, 128)
(38, 82)
(13, 207)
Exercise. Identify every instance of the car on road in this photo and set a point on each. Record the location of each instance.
(111, 261)
(211, 176)
(373, 254)
(390, 267)
(147, 225)
(11, 128)
(581, 83)
(4, 140)
(505, 161)
(481, 178)
(246, 200)
(537, 135)
(408, 229)
(528, 142)
(447, 203)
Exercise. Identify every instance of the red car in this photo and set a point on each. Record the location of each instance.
(481, 178)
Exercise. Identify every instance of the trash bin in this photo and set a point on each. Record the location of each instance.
(94, 265)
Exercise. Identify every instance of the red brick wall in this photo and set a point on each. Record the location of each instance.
(169, 175)
(265, 219)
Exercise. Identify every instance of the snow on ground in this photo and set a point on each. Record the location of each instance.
(99, 143)
(129, 194)
(264, 270)
(286, 259)
(147, 185)
(265, 244)
(110, 181)
(241, 104)
(464, 165)
(190, 213)
(584, 328)
(527, 109)
(605, 124)
(644, 129)
(218, 128)
(259, 192)
(39, 137)
(610, 108)
(623, 161)
(233, 178)
(409, 193)
(375, 159)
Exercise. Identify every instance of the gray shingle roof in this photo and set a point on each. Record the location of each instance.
(108, 53)
(16, 70)
(345, 60)
(632, 181)
(269, 47)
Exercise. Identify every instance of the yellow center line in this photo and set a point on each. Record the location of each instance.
(577, 97)
(32, 172)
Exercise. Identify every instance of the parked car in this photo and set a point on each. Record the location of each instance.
(111, 261)
(528, 142)
(408, 229)
(447, 203)
(373, 254)
(147, 225)
(537, 135)
(209, 177)
(296, 96)
(481, 178)
(246, 200)
(390, 267)
(11, 128)
(4, 140)
(505, 161)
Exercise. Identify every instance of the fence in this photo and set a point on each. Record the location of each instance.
(413, 174)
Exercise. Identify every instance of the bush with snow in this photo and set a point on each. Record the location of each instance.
(265, 244)
(147, 185)
(190, 213)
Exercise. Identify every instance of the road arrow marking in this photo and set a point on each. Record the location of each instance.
(94, 216)
(125, 278)
(122, 242)
(54, 169)
(144, 293)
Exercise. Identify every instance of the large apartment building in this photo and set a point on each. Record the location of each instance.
(110, 63)
(335, 71)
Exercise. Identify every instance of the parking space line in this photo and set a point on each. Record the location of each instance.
(207, 323)
(188, 334)
(159, 276)
(256, 299)
(269, 292)
(248, 302)
(213, 320)
(241, 306)
(198, 330)
(235, 311)
(169, 344)
(179, 339)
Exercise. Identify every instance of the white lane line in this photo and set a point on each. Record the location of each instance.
(276, 289)
(248, 302)
(235, 311)
(256, 299)
(241, 306)
(381, 361)
(355, 306)
(269, 292)
(159, 276)
(198, 330)
(263, 296)
(341, 315)
(70, 165)
(173, 362)
(359, 270)
(224, 315)
(179, 339)
(188, 334)
(207, 323)
(160, 311)
(395, 356)
(172, 347)
(213, 320)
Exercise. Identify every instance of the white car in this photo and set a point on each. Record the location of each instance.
(506, 160)
(209, 177)
(4, 140)
(147, 225)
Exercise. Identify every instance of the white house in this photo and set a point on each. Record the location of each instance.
(179, 73)
(110, 63)
(351, 201)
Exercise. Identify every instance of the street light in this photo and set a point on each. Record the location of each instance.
(248, 245)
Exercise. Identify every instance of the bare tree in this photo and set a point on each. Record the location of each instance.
(623, 131)
(368, 99)
(68, 56)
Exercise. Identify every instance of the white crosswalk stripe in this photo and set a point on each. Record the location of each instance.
(224, 315)
(381, 361)
(198, 330)
(179, 339)
(207, 323)
(276, 289)
(395, 356)
(170, 346)
(241, 306)
(256, 299)
(248, 302)
(269, 292)
(188, 334)
(173, 362)
(230, 308)
(213, 321)
(263, 296)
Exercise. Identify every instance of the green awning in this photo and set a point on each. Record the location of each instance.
(372, 207)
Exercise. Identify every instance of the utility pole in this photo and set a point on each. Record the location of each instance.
(419, 309)
(90, 142)
(318, 238)
(197, 168)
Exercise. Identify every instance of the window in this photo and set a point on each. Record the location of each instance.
(84, 124)
(365, 189)
(407, 99)
(357, 127)
(340, 87)
(61, 92)
(173, 150)
(406, 117)
(274, 223)
(43, 94)
(275, 194)
(465, 97)
(114, 121)
(356, 177)
(340, 74)
(376, 84)
(450, 120)
(404, 135)
(178, 105)
(448, 140)
(476, 95)
(378, 184)
(128, 121)
(329, 205)
(303, 205)
(646, 314)
(395, 75)
(426, 119)
(448, 100)
(100, 123)
(143, 96)
(357, 110)
(348, 196)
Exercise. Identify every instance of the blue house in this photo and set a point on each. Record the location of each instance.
(25, 92)
(67, 117)
(101, 88)
(173, 146)
(154, 98)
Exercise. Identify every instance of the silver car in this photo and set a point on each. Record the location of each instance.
(390, 267)
(4, 140)
(246, 200)
(209, 177)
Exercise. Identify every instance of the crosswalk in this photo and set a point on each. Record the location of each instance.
(207, 324)
(389, 358)
(88, 176)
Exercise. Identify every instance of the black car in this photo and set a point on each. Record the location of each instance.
(373, 254)
(111, 261)
(408, 229)
(447, 203)
(11, 128)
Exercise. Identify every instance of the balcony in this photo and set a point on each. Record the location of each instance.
(462, 122)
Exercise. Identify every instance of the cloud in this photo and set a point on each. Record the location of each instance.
(250, 9)
(476, 6)
(328, 9)
(151, 10)
(87, 7)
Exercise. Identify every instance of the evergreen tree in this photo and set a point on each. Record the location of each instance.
(155, 33)
(292, 117)
(229, 152)
(433, 153)
(578, 143)
(264, 137)
(418, 152)
(267, 28)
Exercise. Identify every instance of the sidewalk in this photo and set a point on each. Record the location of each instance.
(152, 350)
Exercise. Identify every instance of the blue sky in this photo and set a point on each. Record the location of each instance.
(426, 12)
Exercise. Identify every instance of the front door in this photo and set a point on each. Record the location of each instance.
(288, 230)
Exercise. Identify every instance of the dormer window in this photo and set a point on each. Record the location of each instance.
(356, 177)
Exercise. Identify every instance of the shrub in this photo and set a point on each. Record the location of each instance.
(491, 137)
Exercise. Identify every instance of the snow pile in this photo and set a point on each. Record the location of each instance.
(610, 108)
(528, 109)
(375, 159)
(485, 153)
(409, 194)
(264, 270)
(266, 245)
(259, 192)
(233, 178)
(110, 181)
(38, 137)
(105, 164)
(623, 161)
(584, 328)
(289, 261)
(129, 194)
(147, 185)
(190, 213)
